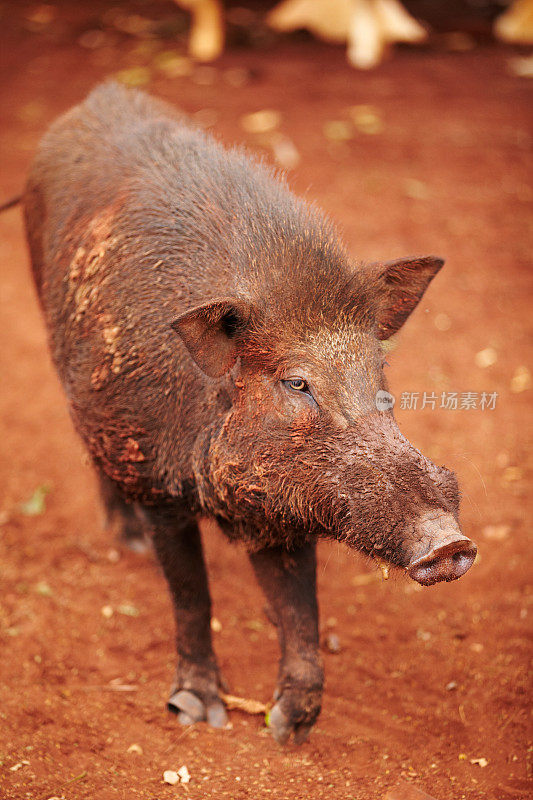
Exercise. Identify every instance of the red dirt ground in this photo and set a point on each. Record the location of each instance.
(427, 680)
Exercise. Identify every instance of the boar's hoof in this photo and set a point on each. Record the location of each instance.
(188, 705)
(295, 711)
(217, 716)
(190, 709)
(282, 727)
(445, 563)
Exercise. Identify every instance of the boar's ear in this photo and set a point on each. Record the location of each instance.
(211, 333)
(400, 286)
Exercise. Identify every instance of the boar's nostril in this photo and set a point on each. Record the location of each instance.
(445, 563)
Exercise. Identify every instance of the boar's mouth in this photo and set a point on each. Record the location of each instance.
(430, 548)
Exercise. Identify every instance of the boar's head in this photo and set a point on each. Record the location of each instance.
(304, 449)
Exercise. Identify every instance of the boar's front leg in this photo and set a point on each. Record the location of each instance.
(194, 696)
(288, 580)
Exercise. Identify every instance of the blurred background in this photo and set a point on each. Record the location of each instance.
(411, 147)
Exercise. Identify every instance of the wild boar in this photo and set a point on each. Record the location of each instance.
(221, 354)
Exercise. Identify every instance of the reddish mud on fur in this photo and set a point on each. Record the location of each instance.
(221, 355)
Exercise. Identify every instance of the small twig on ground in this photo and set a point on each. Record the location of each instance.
(234, 703)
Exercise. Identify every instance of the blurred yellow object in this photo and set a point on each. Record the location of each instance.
(516, 24)
(206, 39)
(368, 26)
(328, 19)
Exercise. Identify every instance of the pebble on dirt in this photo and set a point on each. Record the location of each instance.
(172, 64)
(284, 151)
(170, 776)
(19, 765)
(415, 189)
(36, 504)
(367, 119)
(128, 610)
(261, 121)
(173, 777)
(135, 76)
(486, 358)
(521, 380)
(496, 533)
(442, 322)
(43, 589)
(337, 130)
(184, 774)
(332, 643)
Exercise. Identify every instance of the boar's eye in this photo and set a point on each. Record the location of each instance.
(298, 385)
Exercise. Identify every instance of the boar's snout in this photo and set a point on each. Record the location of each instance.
(444, 563)
(449, 554)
